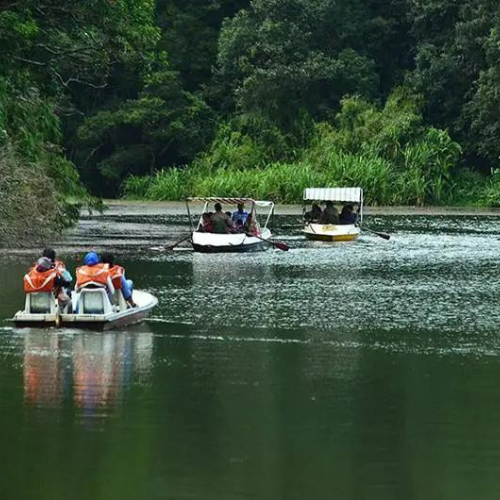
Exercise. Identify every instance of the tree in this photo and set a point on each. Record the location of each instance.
(164, 126)
(190, 30)
(452, 68)
(282, 56)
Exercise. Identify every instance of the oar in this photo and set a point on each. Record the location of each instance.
(381, 235)
(171, 247)
(277, 244)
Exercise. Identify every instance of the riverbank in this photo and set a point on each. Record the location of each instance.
(128, 208)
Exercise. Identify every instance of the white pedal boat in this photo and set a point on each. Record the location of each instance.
(230, 242)
(93, 309)
(314, 230)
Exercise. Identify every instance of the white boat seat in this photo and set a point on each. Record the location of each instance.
(40, 303)
(94, 301)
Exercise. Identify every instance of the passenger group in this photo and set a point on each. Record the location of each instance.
(330, 214)
(51, 275)
(220, 222)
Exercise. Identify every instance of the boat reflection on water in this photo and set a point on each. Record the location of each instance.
(43, 380)
(88, 371)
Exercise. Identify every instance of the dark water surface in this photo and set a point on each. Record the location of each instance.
(358, 371)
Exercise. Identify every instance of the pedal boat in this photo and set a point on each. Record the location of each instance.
(94, 310)
(230, 242)
(333, 232)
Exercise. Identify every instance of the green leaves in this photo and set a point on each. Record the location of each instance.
(164, 125)
(282, 56)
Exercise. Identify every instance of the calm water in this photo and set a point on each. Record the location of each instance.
(358, 371)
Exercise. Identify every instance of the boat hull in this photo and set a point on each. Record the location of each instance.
(98, 322)
(255, 247)
(331, 232)
(229, 243)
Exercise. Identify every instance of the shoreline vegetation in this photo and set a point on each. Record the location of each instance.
(388, 151)
(164, 99)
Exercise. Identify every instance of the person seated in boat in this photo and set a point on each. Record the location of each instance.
(347, 215)
(206, 223)
(250, 226)
(60, 267)
(239, 217)
(117, 275)
(221, 222)
(44, 277)
(94, 274)
(232, 227)
(330, 214)
(314, 215)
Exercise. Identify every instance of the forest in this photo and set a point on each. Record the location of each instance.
(163, 99)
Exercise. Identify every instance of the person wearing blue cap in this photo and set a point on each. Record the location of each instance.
(94, 274)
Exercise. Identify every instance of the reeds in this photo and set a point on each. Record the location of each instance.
(388, 152)
(383, 183)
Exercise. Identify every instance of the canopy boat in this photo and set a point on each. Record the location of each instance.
(92, 310)
(239, 240)
(316, 230)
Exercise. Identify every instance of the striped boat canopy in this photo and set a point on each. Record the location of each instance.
(349, 194)
(230, 201)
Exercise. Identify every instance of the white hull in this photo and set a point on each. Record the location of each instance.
(107, 317)
(238, 242)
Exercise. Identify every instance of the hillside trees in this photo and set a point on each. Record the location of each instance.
(280, 57)
(56, 60)
(455, 70)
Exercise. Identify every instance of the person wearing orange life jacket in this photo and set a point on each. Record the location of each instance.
(43, 277)
(94, 274)
(58, 264)
(61, 268)
(117, 274)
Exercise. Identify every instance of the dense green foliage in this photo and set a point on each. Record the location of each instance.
(388, 151)
(166, 98)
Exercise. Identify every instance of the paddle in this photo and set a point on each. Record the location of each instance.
(171, 247)
(385, 236)
(277, 244)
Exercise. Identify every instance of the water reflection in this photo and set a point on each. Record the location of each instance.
(43, 378)
(90, 372)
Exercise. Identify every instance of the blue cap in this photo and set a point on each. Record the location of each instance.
(91, 259)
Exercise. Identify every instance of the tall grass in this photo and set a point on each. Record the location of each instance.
(284, 182)
(388, 152)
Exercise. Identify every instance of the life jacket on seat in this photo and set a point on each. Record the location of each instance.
(92, 275)
(36, 281)
(116, 273)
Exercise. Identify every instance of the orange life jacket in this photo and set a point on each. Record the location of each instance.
(36, 281)
(97, 274)
(116, 273)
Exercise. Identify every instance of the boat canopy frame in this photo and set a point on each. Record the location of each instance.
(336, 194)
(228, 201)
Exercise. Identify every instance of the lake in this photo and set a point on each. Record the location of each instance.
(364, 370)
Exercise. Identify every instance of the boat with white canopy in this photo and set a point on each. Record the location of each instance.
(238, 238)
(346, 228)
(93, 310)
